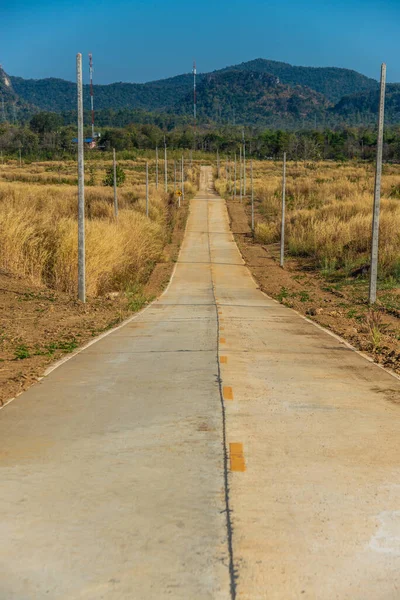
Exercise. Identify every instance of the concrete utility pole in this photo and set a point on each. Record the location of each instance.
(377, 195)
(183, 181)
(174, 176)
(115, 185)
(147, 189)
(81, 186)
(165, 166)
(156, 167)
(244, 165)
(282, 257)
(234, 189)
(252, 198)
(241, 175)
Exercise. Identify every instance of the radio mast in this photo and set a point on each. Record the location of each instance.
(194, 94)
(91, 91)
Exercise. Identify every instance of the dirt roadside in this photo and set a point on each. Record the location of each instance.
(376, 334)
(38, 326)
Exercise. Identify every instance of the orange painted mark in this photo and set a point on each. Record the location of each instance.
(237, 457)
(223, 359)
(221, 328)
(222, 340)
(228, 392)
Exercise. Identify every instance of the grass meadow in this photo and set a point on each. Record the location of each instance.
(329, 213)
(38, 223)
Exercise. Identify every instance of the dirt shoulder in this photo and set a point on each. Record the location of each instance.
(343, 311)
(38, 326)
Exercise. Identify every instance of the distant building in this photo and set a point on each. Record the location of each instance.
(89, 142)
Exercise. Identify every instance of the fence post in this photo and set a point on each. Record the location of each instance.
(147, 189)
(377, 195)
(282, 257)
(115, 185)
(81, 186)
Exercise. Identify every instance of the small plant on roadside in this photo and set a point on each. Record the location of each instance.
(284, 293)
(21, 352)
(375, 325)
(137, 298)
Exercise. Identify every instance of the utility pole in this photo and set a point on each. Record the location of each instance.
(241, 175)
(244, 165)
(156, 167)
(282, 257)
(20, 157)
(183, 181)
(165, 166)
(147, 189)
(174, 176)
(252, 198)
(115, 185)
(377, 195)
(234, 189)
(81, 186)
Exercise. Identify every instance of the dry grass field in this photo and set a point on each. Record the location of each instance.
(38, 225)
(128, 261)
(329, 213)
(328, 238)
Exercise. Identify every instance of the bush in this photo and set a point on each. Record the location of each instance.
(109, 178)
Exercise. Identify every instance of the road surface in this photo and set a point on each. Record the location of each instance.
(217, 446)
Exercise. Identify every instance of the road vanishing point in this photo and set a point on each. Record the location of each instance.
(216, 446)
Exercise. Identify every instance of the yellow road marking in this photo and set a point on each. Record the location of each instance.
(223, 359)
(228, 392)
(237, 457)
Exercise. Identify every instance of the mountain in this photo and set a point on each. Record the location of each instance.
(362, 107)
(259, 92)
(12, 105)
(250, 97)
(332, 82)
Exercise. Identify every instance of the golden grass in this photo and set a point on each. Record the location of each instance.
(329, 212)
(38, 230)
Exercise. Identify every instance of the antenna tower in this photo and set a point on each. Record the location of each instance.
(91, 91)
(194, 95)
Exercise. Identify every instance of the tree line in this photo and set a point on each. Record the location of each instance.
(45, 137)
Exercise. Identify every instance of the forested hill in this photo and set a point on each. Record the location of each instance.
(332, 82)
(258, 92)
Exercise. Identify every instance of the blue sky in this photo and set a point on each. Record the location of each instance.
(142, 40)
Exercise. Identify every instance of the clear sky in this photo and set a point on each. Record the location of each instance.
(143, 40)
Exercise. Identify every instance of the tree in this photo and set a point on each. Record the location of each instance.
(45, 122)
(109, 178)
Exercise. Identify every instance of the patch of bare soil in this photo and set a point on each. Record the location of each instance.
(344, 311)
(38, 326)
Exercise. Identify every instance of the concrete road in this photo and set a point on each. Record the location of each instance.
(216, 446)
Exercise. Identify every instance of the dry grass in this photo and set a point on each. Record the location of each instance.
(329, 213)
(38, 227)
